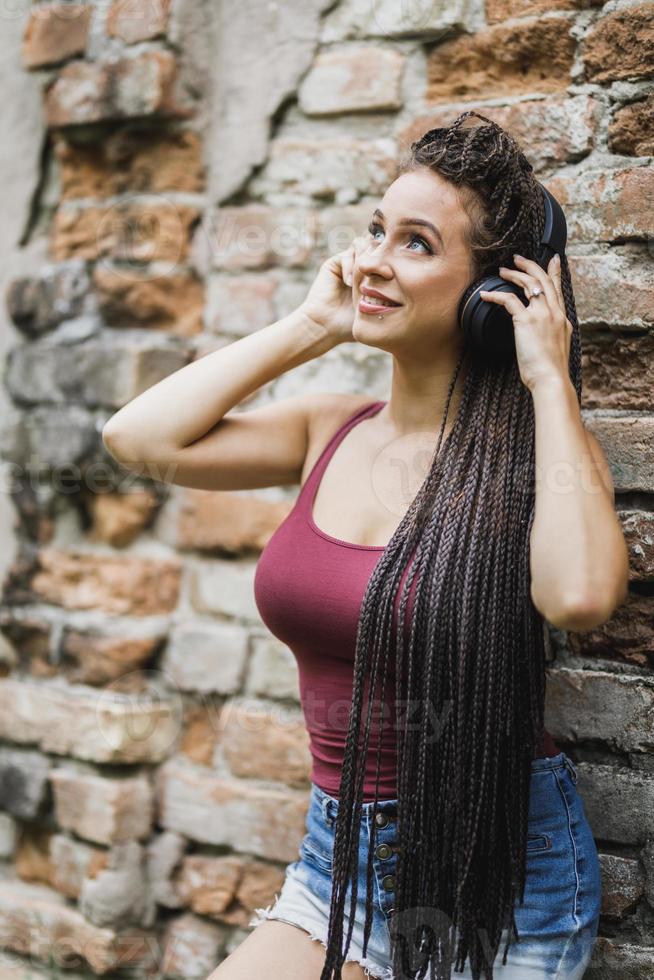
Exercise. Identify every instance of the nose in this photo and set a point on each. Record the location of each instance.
(371, 261)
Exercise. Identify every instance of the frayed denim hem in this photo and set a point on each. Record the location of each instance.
(369, 966)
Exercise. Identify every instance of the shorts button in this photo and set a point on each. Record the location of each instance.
(381, 819)
(388, 882)
(383, 851)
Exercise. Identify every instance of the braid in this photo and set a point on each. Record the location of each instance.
(473, 660)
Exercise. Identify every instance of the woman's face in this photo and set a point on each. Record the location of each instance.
(423, 270)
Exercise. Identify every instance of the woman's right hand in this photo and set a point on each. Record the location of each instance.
(329, 300)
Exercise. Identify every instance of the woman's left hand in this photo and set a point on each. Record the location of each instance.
(542, 330)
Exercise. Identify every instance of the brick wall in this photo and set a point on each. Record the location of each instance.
(153, 762)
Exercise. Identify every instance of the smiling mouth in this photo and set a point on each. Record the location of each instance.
(373, 305)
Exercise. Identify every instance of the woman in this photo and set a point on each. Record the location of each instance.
(449, 823)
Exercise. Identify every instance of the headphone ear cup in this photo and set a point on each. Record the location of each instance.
(487, 327)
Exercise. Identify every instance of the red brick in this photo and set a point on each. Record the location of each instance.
(628, 635)
(618, 372)
(125, 585)
(599, 706)
(227, 521)
(91, 658)
(353, 79)
(607, 205)
(613, 290)
(29, 640)
(37, 921)
(72, 862)
(74, 720)
(322, 168)
(210, 808)
(139, 85)
(239, 304)
(506, 59)
(632, 128)
(199, 734)
(227, 888)
(131, 231)
(257, 235)
(549, 131)
(118, 518)
(173, 301)
(638, 529)
(102, 809)
(131, 159)
(628, 441)
(54, 32)
(191, 946)
(32, 858)
(622, 885)
(265, 744)
(620, 45)
(137, 20)
(497, 10)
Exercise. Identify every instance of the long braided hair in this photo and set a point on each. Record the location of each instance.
(475, 656)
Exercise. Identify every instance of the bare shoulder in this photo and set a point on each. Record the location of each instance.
(327, 412)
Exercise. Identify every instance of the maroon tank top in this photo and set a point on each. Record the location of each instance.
(308, 587)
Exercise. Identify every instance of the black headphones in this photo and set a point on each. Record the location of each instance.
(487, 327)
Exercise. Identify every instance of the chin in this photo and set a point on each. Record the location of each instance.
(368, 325)
(374, 333)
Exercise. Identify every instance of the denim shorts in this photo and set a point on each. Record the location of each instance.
(557, 922)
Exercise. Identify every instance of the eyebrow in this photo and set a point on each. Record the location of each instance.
(415, 221)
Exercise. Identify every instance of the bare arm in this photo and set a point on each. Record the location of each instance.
(178, 428)
(579, 557)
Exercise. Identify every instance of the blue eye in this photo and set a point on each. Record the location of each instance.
(374, 226)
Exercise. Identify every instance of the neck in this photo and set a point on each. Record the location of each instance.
(419, 394)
